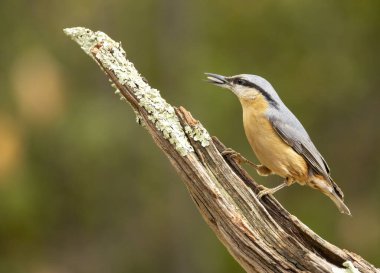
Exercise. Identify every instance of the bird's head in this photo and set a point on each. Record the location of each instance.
(246, 87)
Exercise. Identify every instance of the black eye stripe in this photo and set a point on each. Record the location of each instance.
(242, 82)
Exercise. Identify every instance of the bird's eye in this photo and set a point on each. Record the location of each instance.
(240, 81)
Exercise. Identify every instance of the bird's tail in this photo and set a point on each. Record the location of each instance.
(332, 191)
(339, 203)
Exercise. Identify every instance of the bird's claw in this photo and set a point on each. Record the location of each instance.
(264, 191)
(229, 151)
(237, 157)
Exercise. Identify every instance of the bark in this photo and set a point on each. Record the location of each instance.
(260, 234)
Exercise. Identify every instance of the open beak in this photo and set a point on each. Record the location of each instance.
(217, 79)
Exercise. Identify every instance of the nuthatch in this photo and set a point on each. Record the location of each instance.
(278, 139)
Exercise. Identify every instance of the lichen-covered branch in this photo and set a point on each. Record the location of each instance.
(112, 58)
(260, 234)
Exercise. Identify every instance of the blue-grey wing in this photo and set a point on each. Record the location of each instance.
(292, 132)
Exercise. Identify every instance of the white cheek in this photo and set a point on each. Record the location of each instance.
(245, 93)
(240, 91)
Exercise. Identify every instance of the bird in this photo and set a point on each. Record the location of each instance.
(278, 139)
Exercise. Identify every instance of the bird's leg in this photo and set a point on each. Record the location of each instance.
(261, 169)
(266, 191)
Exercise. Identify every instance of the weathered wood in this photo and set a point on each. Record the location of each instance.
(260, 234)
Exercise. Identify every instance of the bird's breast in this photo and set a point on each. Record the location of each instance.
(268, 146)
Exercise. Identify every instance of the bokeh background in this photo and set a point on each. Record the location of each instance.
(82, 186)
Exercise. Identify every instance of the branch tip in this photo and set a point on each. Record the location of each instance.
(112, 59)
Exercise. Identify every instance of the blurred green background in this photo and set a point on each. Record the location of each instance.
(84, 189)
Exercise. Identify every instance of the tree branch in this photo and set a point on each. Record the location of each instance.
(260, 234)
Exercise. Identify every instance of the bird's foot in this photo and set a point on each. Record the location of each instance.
(238, 157)
(266, 191)
(261, 169)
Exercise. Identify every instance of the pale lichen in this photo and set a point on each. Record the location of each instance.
(198, 133)
(113, 58)
(349, 268)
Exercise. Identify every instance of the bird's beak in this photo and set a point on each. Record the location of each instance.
(218, 80)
